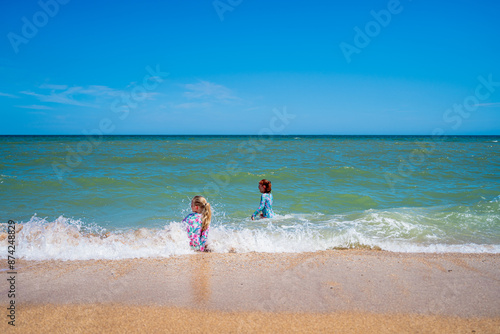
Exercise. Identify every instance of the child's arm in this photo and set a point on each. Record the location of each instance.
(261, 206)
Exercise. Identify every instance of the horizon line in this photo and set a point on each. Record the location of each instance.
(253, 135)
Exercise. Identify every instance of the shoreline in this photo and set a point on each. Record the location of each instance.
(350, 288)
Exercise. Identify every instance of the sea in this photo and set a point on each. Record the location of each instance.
(117, 197)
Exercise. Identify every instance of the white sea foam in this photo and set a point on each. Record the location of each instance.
(68, 239)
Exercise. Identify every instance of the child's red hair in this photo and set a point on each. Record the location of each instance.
(266, 184)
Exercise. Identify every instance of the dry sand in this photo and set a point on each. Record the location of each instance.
(347, 291)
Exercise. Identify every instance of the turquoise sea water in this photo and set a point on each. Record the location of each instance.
(82, 197)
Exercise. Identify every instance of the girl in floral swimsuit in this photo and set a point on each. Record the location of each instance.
(266, 201)
(198, 223)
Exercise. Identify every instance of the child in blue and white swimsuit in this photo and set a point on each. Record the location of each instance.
(266, 201)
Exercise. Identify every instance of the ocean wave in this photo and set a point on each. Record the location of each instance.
(403, 231)
(69, 239)
(154, 158)
(496, 199)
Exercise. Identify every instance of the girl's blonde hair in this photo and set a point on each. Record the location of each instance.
(206, 211)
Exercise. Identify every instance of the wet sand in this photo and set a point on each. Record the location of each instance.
(348, 291)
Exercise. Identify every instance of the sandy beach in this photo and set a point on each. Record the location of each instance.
(348, 291)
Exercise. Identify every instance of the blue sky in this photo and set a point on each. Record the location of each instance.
(231, 66)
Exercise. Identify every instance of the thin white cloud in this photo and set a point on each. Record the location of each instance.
(36, 106)
(76, 95)
(209, 91)
(193, 105)
(492, 104)
(9, 95)
(97, 90)
(89, 96)
(66, 97)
